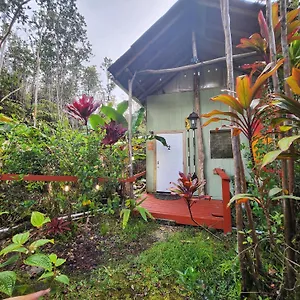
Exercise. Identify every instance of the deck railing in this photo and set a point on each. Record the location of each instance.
(64, 178)
(226, 198)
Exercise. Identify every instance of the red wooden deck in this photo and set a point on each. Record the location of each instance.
(210, 213)
(205, 212)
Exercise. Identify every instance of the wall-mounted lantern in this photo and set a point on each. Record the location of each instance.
(193, 117)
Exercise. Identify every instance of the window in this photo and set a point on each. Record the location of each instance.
(220, 144)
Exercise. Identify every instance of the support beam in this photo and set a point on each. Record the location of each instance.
(195, 66)
(199, 135)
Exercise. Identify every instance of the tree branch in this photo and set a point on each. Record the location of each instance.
(12, 22)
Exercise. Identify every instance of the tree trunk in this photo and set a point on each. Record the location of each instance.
(238, 180)
(130, 167)
(2, 52)
(199, 135)
(289, 219)
(36, 85)
(12, 22)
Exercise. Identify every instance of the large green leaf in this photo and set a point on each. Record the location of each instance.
(96, 121)
(142, 212)
(39, 260)
(122, 107)
(59, 262)
(286, 197)
(285, 143)
(21, 238)
(63, 279)
(125, 214)
(274, 191)
(161, 140)
(7, 282)
(46, 275)
(270, 157)
(114, 115)
(11, 248)
(38, 219)
(137, 119)
(40, 243)
(10, 261)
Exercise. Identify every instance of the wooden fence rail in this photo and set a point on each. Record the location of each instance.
(64, 178)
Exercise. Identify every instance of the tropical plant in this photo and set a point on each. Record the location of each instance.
(114, 132)
(132, 206)
(288, 110)
(24, 248)
(186, 187)
(260, 42)
(57, 226)
(246, 115)
(116, 125)
(82, 108)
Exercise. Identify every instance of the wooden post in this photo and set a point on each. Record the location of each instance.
(199, 135)
(130, 167)
(288, 207)
(244, 263)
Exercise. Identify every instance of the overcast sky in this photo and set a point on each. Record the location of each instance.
(114, 25)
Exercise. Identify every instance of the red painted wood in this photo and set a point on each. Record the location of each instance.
(176, 210)
(65, 178)
(221, 173)
(211, 213)
(226, 198)
(37, 177)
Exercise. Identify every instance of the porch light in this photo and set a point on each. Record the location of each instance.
(193, 117)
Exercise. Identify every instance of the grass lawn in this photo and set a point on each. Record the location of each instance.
(146, 261)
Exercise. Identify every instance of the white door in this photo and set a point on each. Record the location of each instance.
(168, 161)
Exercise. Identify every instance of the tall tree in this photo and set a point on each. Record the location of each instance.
(289, 219)
(109, 82)
(90, 82)
(239, 178)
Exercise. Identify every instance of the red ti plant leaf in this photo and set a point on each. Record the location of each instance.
(246, 113)
(186, 187)
(243, 90)
(263, 26)
(114, 132)
(81, 109)
(255, 42)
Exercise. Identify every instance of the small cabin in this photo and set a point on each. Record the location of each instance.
(189, 33)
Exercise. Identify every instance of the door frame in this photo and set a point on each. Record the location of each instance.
(155, 152)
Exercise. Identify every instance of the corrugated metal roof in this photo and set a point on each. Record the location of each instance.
(168, 43)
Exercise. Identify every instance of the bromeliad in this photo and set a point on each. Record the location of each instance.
(82, 109)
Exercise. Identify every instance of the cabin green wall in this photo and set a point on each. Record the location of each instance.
(166, 113)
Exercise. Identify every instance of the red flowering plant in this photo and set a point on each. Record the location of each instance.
(186, 187)
(82, 108)
(114, 132)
